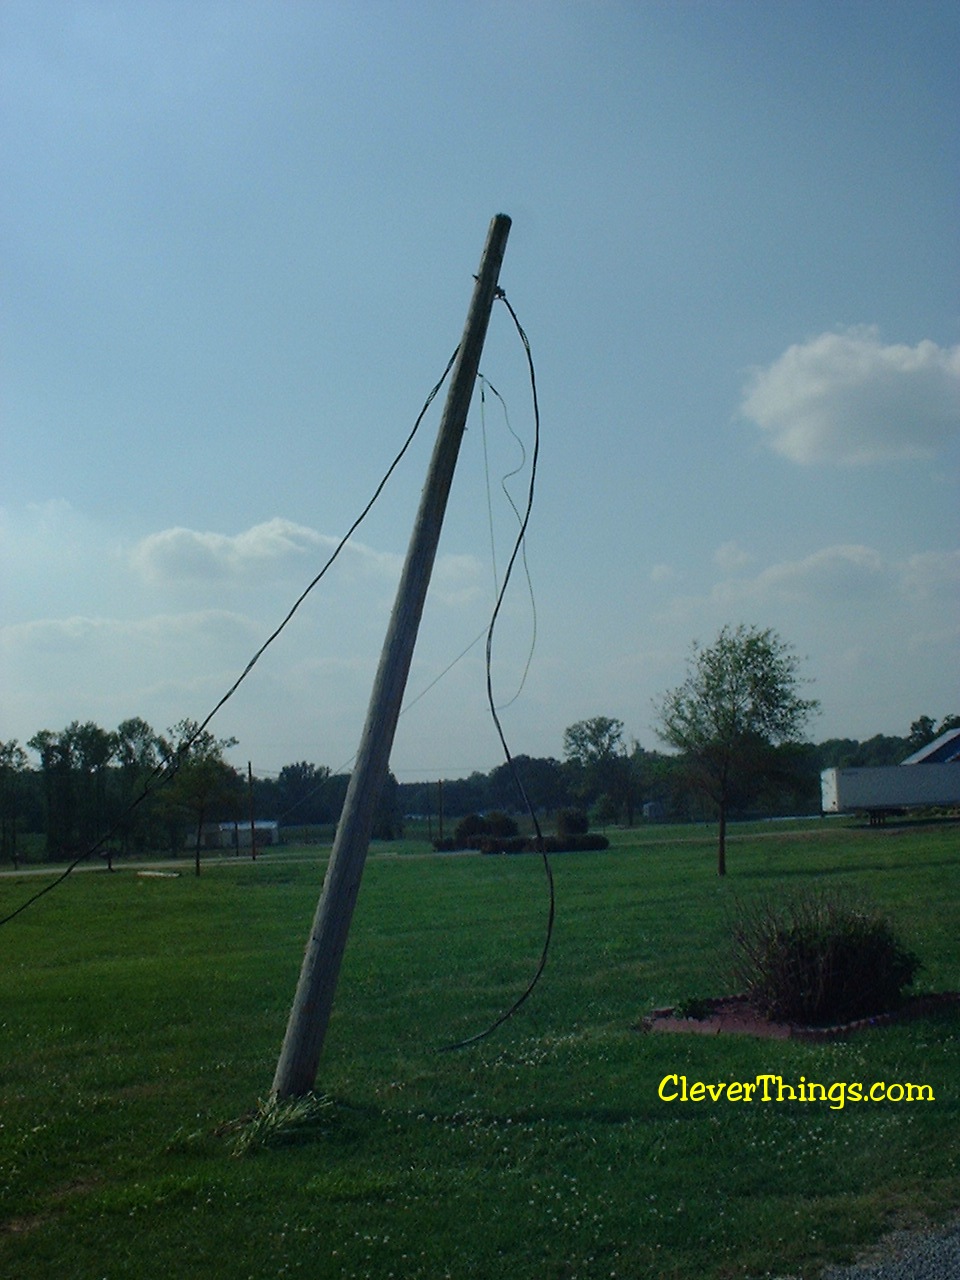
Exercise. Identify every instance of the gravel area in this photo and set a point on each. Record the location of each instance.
(908, 1255)
(932, 1253)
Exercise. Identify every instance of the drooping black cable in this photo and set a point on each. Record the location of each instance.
(526, 567)
(551, 913)
(168, 768)
(336, 552)
(484, 383)
(486, 475)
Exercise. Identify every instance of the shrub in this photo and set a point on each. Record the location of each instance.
(502, 844)
(528, 844)
(499, 824)
(471, 825)
(694, 1008)
(819, 961)
(574, 843)
(572, 822)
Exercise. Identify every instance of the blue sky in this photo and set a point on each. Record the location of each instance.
(237, 244)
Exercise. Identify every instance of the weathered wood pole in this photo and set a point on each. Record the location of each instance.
(296, 1071)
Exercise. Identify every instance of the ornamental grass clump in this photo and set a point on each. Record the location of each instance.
(281, 1121)
(819, 961)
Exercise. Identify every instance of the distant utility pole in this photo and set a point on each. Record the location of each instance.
(296, 1071)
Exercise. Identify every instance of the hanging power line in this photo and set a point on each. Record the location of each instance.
(167, 769)
(548, 870)
(484, 384)
(522, 539)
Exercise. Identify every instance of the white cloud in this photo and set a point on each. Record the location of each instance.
(847, 398)
(189, 555)
(852, 582)
(162, 629)
(931, 573)
(879, 633)
(850, 574)
(164, 666)
(460, 581)
(838, 573)
(662, 573)
(731, 556)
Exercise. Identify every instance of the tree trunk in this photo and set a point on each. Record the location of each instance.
(722, 841)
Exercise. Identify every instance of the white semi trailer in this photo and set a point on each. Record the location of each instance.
(886, 790)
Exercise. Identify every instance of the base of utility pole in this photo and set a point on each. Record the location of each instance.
(296, 1071)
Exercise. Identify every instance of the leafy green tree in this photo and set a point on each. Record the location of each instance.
(13, 763)
(203, 783)
(880, 750)
(922, 731)
(303, 793)
(56, 764)
(92, 750)
(542, 779)
(75, 765)
(739, 700)
(138, 757)
(597, 761)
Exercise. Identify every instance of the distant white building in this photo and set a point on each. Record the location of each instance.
(236, 835)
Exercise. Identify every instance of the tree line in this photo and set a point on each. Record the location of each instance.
(733, 728)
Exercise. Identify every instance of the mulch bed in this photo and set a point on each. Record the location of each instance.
(735, 1015)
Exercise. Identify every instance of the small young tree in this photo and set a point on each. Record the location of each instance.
(738, 701)
(203, 779)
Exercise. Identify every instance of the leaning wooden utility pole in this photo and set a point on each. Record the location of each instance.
(296, 1071)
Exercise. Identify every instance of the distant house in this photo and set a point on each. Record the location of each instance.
(236, 835)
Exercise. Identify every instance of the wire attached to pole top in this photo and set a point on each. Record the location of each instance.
(541, 846)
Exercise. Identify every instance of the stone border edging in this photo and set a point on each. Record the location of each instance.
(733, 1014)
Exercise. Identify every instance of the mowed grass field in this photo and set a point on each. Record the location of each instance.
(139, 1017)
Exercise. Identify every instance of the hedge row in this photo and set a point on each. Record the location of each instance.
(570, 843)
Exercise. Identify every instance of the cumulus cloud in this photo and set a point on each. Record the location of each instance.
(730, 556)
(932, 573)
(848, 398)
(190, 555)
(104, 653)
(845, 574)
(662, 573)
(457, 580)
(103, 668)
(194, 558)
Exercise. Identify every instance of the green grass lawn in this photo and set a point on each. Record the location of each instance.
(140, 1016)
